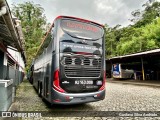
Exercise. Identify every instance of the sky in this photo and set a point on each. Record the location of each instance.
(111, 12)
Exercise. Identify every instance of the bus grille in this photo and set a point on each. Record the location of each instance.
(82, 67)
(73, 71)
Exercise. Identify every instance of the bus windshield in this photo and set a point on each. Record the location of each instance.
(81, 29)
(85, 37)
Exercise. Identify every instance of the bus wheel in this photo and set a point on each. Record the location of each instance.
(107, 75)
(132, 76)
(39, 90)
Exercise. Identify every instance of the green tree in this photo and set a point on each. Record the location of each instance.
(151, 12)
(33, 23)
(142, 36)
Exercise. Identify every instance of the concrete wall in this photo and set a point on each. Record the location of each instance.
(6, 94)
(9, 73)
(1, 63)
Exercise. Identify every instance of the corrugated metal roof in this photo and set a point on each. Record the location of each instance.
(137, 54)
(10, 33)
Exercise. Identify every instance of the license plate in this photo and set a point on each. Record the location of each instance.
(83, 82)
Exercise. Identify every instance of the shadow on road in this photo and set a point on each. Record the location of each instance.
(27, 87)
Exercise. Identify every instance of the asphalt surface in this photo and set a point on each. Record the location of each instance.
(119, 97)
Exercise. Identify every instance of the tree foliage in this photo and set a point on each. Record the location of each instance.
(33, 22)
(143, 35)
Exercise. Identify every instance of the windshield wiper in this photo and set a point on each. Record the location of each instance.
(70, 41)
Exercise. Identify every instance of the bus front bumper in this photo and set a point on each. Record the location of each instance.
(76, 98)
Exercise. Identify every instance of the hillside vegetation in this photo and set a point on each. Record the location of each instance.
(143, 35)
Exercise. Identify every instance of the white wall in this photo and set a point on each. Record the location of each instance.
(18, 57)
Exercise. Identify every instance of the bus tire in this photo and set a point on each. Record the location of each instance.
(39, 90)
(132, 76)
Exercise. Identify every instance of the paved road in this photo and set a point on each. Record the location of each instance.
(119, 97)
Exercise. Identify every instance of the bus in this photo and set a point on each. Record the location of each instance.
(69, 67)
(30, 73)
(121, 71)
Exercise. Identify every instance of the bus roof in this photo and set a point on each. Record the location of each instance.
(84, 20)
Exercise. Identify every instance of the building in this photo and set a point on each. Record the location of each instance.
(12, 56)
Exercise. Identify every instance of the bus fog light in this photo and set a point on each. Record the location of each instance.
(99, 82)
(98, 95)
(70, 97)
(95, 96)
